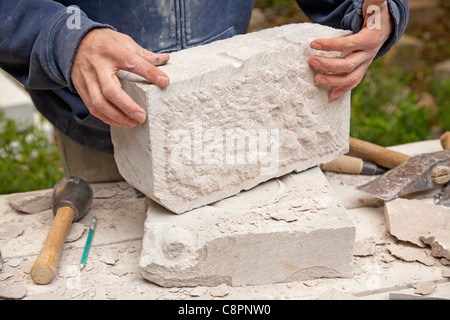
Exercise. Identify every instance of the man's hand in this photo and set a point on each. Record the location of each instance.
(100, 55)
(360, 49)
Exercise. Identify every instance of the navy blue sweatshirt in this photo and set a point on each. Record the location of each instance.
(39, 39)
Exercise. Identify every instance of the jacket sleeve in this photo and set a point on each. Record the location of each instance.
(348, 15)
(38, 41)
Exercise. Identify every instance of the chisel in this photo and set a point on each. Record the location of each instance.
(352, 165)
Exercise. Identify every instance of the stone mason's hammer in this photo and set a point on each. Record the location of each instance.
(71, 199)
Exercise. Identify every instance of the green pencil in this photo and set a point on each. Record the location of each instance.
(88, 242)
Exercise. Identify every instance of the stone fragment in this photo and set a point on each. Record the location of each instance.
(31, 202)
(410, 254)
(287, 216)
(198, 291)
(5, 275)
(109, 257)
(364, 248)
(10, 230)
(235, 241)
(120, 272)
(424, 287)
(76, 232)
(440, 244)
(237, 112)
(445, 262)
(14, 262)
(409, 220)
(13, 291)
(220, 291)
(446, 272)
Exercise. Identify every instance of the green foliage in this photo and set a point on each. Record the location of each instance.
(28, 161)
(442, 94)
(385, 111)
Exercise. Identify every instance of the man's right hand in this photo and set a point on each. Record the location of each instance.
(100, 55)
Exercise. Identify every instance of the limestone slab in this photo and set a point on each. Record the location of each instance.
(420, 223)
(237, 112)
(237, 241)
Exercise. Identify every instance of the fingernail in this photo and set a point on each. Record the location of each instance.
(162, 81)
(140, 117)
(334, 94)
(315, 63)
(130, 123)
(316, 46)
(322, 80)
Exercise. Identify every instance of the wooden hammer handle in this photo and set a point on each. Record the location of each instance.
(46, 264)
(445, 140)
(375, 153)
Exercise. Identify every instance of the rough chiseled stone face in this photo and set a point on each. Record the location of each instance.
(238, 112)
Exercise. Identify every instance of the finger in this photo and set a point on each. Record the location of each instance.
(157, 59)
(112, 90)
(83, 93)
(107, 120)
(366, 39)
(340, 65)
(345, 79)
(340, 91)
(102, 108)
(134, 63)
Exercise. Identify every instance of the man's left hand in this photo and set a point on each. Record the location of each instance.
(359, 51)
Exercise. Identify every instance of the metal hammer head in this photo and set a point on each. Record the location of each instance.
(72, 192)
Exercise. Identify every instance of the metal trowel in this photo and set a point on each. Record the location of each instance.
(443, 197)
(418, 173)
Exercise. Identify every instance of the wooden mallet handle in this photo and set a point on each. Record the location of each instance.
(46, 264)
(445, 140)
(375, 153)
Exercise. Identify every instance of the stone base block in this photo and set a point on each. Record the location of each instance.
(286, 229)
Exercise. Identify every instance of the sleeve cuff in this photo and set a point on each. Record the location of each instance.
(400, 14)
(64, 43)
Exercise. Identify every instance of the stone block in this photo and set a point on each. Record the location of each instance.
(286, 229)
(238, 112)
